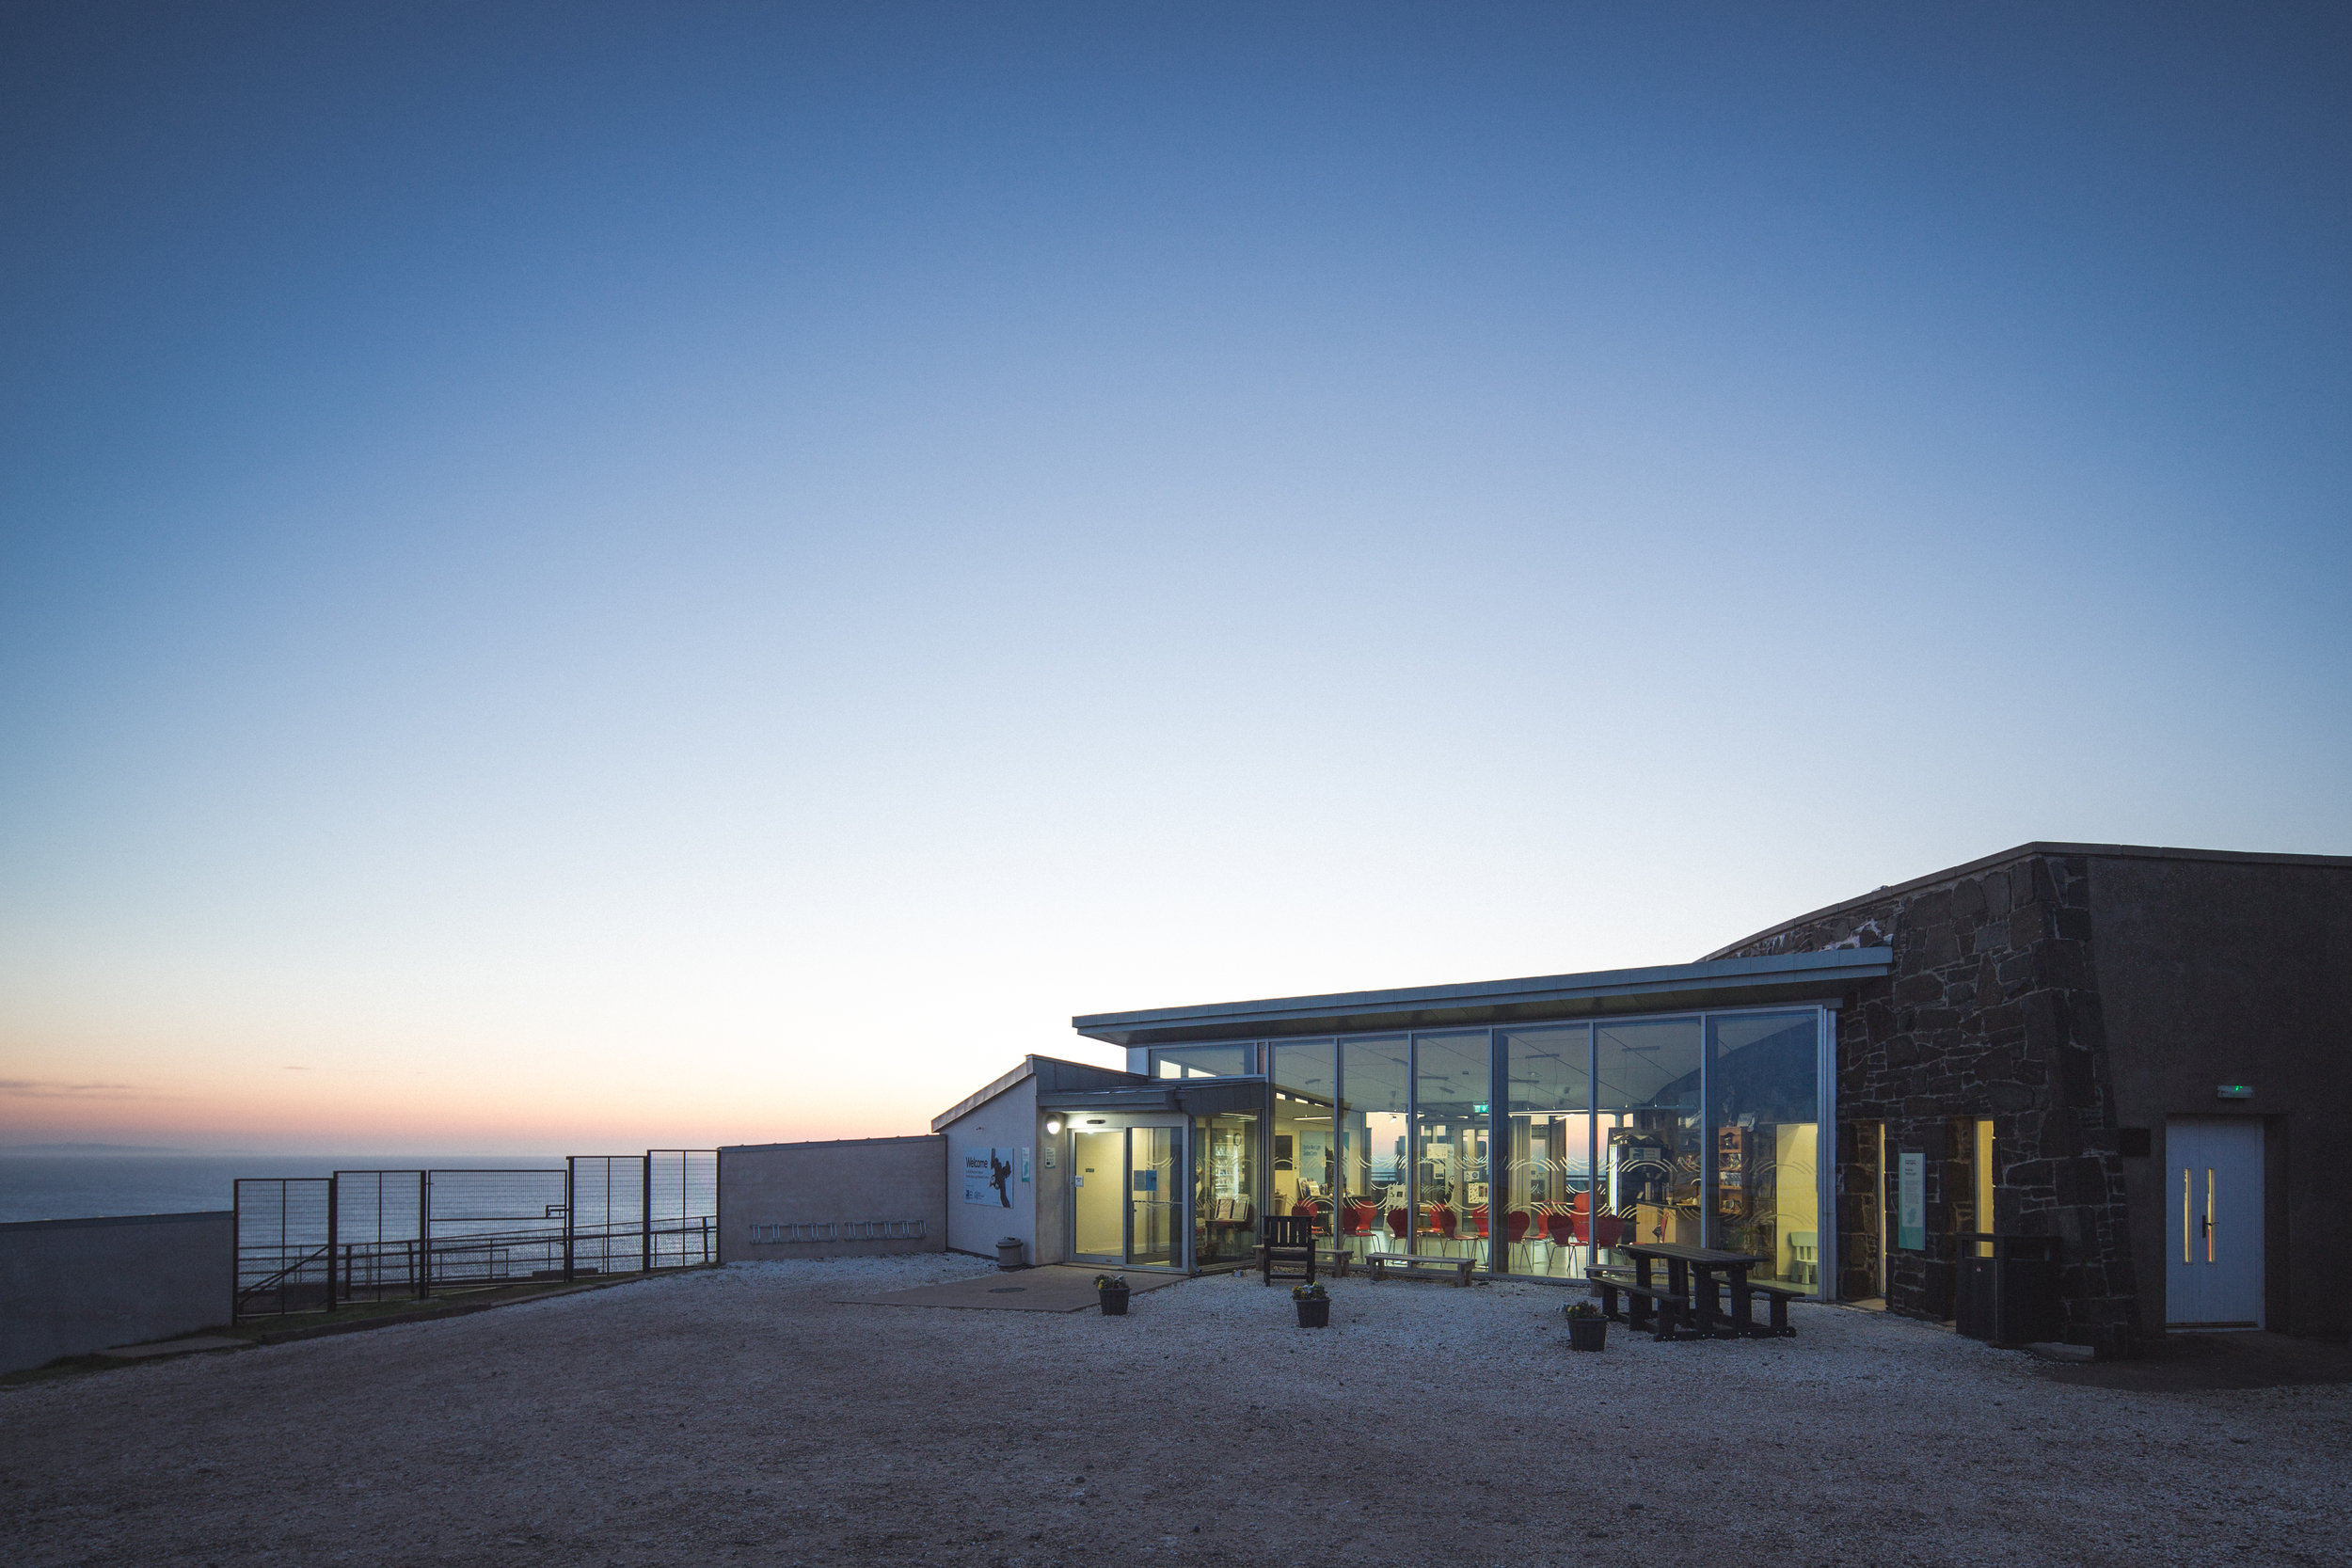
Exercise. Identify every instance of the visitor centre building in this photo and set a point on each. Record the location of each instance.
(2137, 1059)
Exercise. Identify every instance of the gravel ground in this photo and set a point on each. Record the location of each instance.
(739, 1416)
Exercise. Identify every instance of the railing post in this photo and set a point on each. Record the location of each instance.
(334, 1214)
(424, 1234)
(644, 1219)
(570, 1160)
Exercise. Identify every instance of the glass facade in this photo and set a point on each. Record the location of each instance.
(1452, 1077)
(1375, 1110)
(1206, 1061)
(1536, 1150)
(1645, 1094)
(1764, 1104)
(1305, 1159)
(1548, 1178)
(1225, 1189)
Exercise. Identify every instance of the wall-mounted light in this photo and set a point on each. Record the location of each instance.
(1053, 1125)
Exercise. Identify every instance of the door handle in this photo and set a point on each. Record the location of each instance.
(2208, 1214)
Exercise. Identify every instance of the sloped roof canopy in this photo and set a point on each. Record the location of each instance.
(1671, 988)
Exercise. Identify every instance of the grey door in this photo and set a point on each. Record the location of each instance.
(2213, 1270)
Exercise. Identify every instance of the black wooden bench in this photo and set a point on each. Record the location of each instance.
(1743, 1312)
(1402, 1266)
(1642, 1301)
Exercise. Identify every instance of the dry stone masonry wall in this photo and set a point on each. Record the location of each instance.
(1992, 1010)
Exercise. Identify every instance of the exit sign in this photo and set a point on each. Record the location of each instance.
(2236, 1091)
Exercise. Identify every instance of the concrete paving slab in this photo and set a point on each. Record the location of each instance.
(177, 1347)
(1056, 1288)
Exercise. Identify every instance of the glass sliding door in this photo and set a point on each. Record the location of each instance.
(1098, 1177)
(1645, 1095)
(1546, 1196)
(1153, 1198)
(1306, 1160)
(1452, 1079)
(1764, 1098)
(1375, 1087)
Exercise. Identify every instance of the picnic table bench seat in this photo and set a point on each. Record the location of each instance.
(1778, 1296)
(1642, 1301)
(1420, 1266)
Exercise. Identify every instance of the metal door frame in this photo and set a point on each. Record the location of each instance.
(1126, 1125)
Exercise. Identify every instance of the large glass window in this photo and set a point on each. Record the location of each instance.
(1306, 1155)
(1204, 1061)
(1765, 1095)
(1646, 1091)
(1225, 1177)
(1451, 1083)
(1376, 1084)
(1547, 1198)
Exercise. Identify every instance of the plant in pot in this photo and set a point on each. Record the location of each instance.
(1587, 1328)
(1314, 1306)
(1112, 1290)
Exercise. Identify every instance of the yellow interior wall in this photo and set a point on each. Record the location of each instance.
(1795, 1201)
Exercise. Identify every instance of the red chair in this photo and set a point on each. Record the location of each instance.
(1400, 1227)
(1305, 1207)
(1515, 1226)
(1442, 1221)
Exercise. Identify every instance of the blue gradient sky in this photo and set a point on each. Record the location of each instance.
(581, 576)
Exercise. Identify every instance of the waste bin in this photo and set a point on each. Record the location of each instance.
(2011, 1297)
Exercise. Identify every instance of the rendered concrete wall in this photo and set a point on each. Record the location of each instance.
(70, 1287)
(1008, 1122)
(857, 1181)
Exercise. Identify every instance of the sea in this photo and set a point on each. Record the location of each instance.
(72, 1186)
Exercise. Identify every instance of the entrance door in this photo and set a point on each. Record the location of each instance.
(1154, 1198)
(1098, 1180)
(2212, 1271)
(1127, 1196)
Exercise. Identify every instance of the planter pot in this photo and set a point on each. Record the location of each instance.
(1008, 1255)
(1588, 1333)
(1313, 1312)
(1114, 1302)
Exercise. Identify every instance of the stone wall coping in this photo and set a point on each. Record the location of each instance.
(2027, 851)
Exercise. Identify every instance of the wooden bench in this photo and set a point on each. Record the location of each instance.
(1642, 1301)
(1418, 1267)
(1333, 1263)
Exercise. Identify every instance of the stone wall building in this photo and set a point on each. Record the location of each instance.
(2092, 1003)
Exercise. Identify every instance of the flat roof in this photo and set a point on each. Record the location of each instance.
(1723, 982)
(2039, 846)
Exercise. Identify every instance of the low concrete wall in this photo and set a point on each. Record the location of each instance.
(860, 1197)
(69, 1287)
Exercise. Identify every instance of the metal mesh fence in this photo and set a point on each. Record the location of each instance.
(379, 1234)
(492, 1228)
(681, 1206)
(282, 1234)
(312, 1244)
(608, 1213)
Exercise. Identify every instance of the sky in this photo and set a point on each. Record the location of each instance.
(583, 576)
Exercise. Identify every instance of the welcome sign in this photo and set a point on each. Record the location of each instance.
(988, 1176)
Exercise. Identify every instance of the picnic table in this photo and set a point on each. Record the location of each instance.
(1693, 1288)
